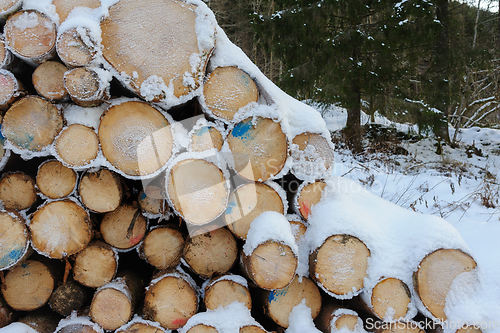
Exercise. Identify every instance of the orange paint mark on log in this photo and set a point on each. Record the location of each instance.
(305, 209)
(136, 239)
(179, 322)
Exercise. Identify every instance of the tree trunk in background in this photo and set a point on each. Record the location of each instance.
(352, 130)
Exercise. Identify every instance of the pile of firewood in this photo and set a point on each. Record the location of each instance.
(143, 183)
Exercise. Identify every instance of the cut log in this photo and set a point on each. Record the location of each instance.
(137, 325)
(251, 329)
(334, 317)
(227, 90)
(155, 43)
(308, 195)
(401, 327)
(197, 190)
(136, 138)
(390, 299)
(225, 290)
(48, 80)
(171, 299)
(42, 320)
(15, 240)
(211, 253)
(77, 145)
(247, 202)
(6, 313)
(124, 228)
(85, 87)
(5, 55)
(434, 276)
(78, 324)
(278, 304)
(259, 148)
(31, 35)
(113, 304)
(339, 265)
(299, 227)
(32, 123)
(95, 265)
(10, 89)
(162, 247)
(17, 191)
(55, 180)
(206, 138)
(76, 47)
(60, 229)
(9, 6)
(101, 190)
(69, 297)
(28, 286)
(64, 7)
(312, 156)
(152, 201)
(202, 328)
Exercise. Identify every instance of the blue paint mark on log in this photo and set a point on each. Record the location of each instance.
(275, 295)
(11, 257)
(231, 205)
(244, 130)
(201, 131)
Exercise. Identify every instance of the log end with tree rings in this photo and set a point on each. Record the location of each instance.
(77, 145)
(135, 138)
(246, 203)
(85, 87)
(170, 300)
(227, 90)
(9, 6)
(31, 35)
(333, 317)
(314, 156)
(48, 80)
(206, 138)
(299, 227)
(100, 190)
(32, 123)
(390, 299)
(211, 253)
(202, 328)
(401, 327)
(339, 265)
(259, 148)
(95, 265)
(348, 321)
(124, 228)
(223, 291)
(252, 329)
(140, 326)
(60, 229)
(78, 324)
(14, 238)
(73, 47)
(162, 247)
(64, 7)
(308, 196)
(278, 304)
(154, 44)
(435, 274)
(197, 190)
(151, 200)
(28, 286)
(10, 89)
(55, 180)
(17, 191)
(271, 265)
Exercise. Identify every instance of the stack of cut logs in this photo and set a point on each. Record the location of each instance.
(116, 224)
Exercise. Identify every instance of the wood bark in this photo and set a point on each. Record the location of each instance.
(223, 291)
(434, 276)
(11, 89)
(14, 238)
(85, 87)
(170, 300)
(211, 253)
(259, 148)
(17, 191)
(77, 145)
(197, 190)
(339, 265)
(79, 324)
(308, 195)
(101, 190)
(135, 138)
(48, 80)
(278, 304)
(6, 313)
(75, 47)
(246, 203)
(113, 304)
(227, 90)
(162, 247)
(55, 180)
(31, 35)
(60, 229)
(28, 287)
(124, 228)
(95, 265)
(42, 320)
(206, 138)
(32, 123)
(68, 297)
